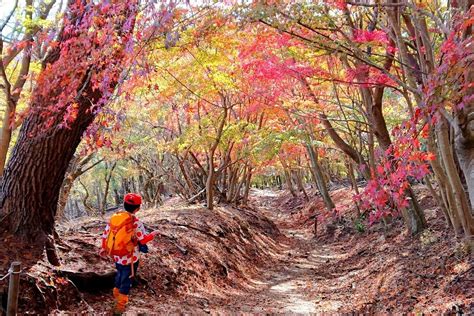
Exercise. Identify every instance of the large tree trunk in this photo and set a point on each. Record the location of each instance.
(35, 172)
(464, 142)
(36, 169)
(464, 131)
(461, 204)
(465, 154)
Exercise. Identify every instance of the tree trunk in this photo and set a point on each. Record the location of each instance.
(248, 180)
(211, 177)
(107, 179)
(319, 178)
(210, 183)
(461, 202)
(340, 143)
(190, 186)
(288, 180)
(445, 188)
(346, 148)
(5, 137)
(299, 183)
(464, 141)
(413, 215)
(64, 195)
(35, 172)
(465, 154)
(39, 160)
(13, 91)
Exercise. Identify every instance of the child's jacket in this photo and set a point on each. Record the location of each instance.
(141, 235)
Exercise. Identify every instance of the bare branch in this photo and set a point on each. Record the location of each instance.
(376, 5)
(28, 36)
(9, 16)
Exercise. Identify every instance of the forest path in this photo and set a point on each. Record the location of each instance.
(288, 286)
(340, 271)
(303, 278)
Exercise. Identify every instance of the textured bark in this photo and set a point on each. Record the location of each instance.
(51, 253)
(460, 199)
(35, 172)
(413, 215)
(445, 188)
(464, 127)
(439, 200)
(465, 154)
(378, 120)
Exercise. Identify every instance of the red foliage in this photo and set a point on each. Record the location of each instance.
(403, 162)
(88, 31)
(374, 37)
(367, 76)
(339, 4)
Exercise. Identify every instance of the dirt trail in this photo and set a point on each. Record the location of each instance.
(286, 286)
(381, 271)
(282, 288)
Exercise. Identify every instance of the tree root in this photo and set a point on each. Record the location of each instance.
(51, 253)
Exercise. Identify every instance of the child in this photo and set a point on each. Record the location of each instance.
(123, 239)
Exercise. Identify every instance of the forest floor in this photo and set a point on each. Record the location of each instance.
(265, 259)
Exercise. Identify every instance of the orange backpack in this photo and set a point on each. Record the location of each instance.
(121, 239)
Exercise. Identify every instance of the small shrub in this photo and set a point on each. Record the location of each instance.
(359, 225)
